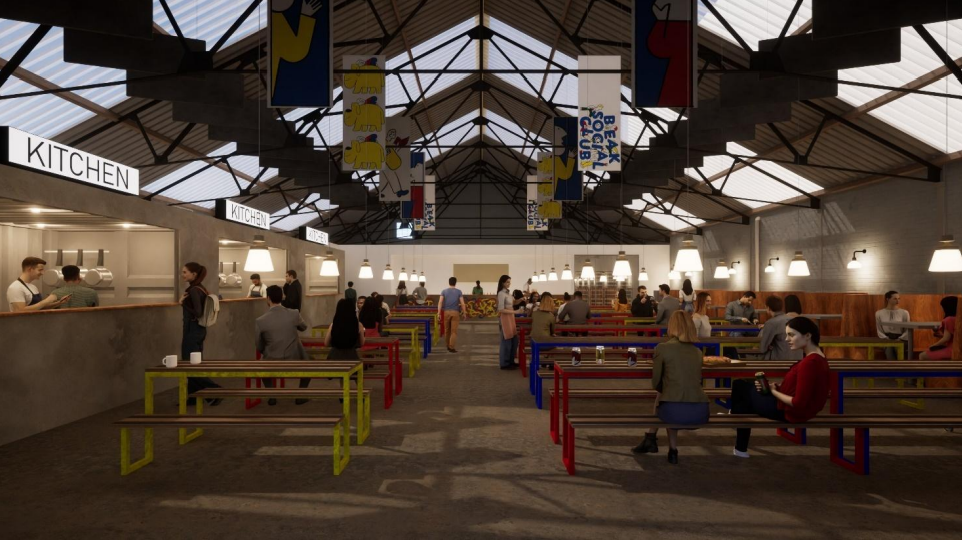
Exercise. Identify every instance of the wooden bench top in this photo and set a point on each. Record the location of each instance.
(725, 392)
(753, 421)
(244, 420)
(272, 392)
(242, 366)
(611, 340)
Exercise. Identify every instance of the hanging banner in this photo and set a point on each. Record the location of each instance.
(548, 208)
(599, 115)
(299, 44)
(394, 180)
(664, 54)
(413, 207)
(534, 221)
(427, 223)
(567, 178)
(364, 126)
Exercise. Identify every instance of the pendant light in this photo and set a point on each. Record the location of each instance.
(770, 269)
(731, 269)
(566, 273)
(674, 274)
(620, 279)
(689, 274)
(688, 259)
(365, 272)
(535, 277)
(329, 266)
(414, 275)
(388, 274)
(587, 270)
(403, 276)
(798, 267)
(258, 257)
(603, 278)
(854, 264)
(947, 256)
(622, 268)
(721, 270)
(552, 275)
(643, 275)
(544, 277)
(422, 276)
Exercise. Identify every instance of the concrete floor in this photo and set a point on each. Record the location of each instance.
(464, 454)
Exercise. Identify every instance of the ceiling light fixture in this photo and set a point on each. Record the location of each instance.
(329, 266)
(770, 268)
(566, 273)
(422, 272)
(643, 275)
(721, 270)
(798, 267)
(552, 275)
(388, 274)
(947, 256)
(731, 269)
(543, 277)
(603, 278)
(126, 225)
(587, 270)
(688, 259)
(674, 274)
(403, 276)
(36, 210)
(258, 257)
(854, 264)
(622, 268)
(365, 271)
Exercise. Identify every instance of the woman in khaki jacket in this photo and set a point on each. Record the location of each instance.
(676, 374)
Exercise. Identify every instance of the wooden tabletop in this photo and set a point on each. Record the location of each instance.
(261, 365)
(620, 367)
(612, 340)
(915, 325)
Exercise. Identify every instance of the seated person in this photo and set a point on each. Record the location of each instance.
(801, 395)
(79, 296)
(518, 301)
(620, 304)
(543, 319)
(676, 374)
(942, 349)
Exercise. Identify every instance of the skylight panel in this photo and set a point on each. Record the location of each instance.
(655, 209)
(304, 213)
(754, 20)
(450, 134)
(44, 115)
(933, 120)
(209, 19)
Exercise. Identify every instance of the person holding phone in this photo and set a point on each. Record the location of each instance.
(76, 295)
(801, 395)
(942, 349)
(23, 295)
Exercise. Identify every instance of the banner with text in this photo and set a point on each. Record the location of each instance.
(599, 114)
(394, 182)
(664, 54)
(427, 223)
(534, 220)
(364, 126)
(548, 208)
(301, 70)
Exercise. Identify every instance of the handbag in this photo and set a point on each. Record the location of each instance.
(509, 327)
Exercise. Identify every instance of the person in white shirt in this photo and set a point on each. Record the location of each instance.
(892, 313)
(257, 289)
(23, 295)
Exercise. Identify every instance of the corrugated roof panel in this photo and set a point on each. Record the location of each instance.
(934, 120)
(45, 115)
(654, 209)
(303, 216)
(754, 20)
(450, 134)
(209, 19)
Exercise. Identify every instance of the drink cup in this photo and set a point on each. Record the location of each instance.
(195, 358)
(632, 357)
(600, 354)
(766, 388)
(170, 361)
(576, 356)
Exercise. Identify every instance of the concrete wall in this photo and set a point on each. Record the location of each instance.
(899, 222)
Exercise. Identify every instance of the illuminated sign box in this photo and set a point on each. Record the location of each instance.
(21, 149)
(312, 235)
(245, 215)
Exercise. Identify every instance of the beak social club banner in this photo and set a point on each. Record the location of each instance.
(599, 114)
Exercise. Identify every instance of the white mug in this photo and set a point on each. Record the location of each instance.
(170, 360)
(195, 357)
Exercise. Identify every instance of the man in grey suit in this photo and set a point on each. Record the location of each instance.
(276, 334)
(668, 305)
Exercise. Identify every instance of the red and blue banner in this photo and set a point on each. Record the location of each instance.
(299, 44)
(664, 51)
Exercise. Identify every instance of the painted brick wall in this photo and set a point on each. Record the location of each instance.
(899, 222)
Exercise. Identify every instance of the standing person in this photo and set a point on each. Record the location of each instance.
(257, 289)
(78, 295)
(575, 312)
(23, 295)
(774, 345)
(643, 305)
(420, 294)
(402, 293)
(451, 307)
(700, 317)
(892, 313)
(345, 334)
(687, 296)
(942, 349)
(543, 319)
(349, 292)
(292, 291)
(527, 286)
(800, 396)
(620, 304)
(668, 305)
(276, 336)
(506, 324)
(740, 311)
(477, 290)
(192, 303)
(676, 375)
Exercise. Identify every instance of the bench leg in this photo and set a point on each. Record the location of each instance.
(917, 404)
(182, 434)
(554, 411)
(861, 463)
(342, 454)
(248, 402)
(799, 436)
(568, 449)
(413, 358)
(388, 391)
(126, 467)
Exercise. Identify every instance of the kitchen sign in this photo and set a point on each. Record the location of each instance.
(245, 215)
(21, 149)
(312, 235)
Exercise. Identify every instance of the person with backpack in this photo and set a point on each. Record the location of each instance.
(194, 303)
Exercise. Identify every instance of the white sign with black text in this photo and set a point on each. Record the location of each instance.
(312, 235)
(245, 215)
(22, 149)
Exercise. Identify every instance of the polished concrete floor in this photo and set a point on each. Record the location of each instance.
(464, 454)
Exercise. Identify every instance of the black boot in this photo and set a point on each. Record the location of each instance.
(673, 456)
(647, 446)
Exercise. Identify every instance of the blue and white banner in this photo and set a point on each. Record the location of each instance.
(534, 220)
(299, 43)
(427, 223)
(567, 178)
(548, 208)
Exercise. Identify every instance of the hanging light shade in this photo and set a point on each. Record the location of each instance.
(798, 267)
(388, 274)
(622, 269)
(258, 257)
(770, 268)
(329, 266)
(674, 274)
(689, 274)
(603, 278)
(855, 264)
(552, 275)
(422, 276)
(688, 259)
(403, 276)
(721, 270)
(643, 275)
(587, 270)
(544, 277)
(947, 256)
(566, 274)
(365, 272)
(620, 279)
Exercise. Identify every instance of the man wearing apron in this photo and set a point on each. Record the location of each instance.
(257, 288)
(23, 295)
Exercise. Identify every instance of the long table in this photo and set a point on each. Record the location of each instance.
(426, 321)
(240, 369)
(840, 370)
(715, 343)
(393, 383)
(432, 313)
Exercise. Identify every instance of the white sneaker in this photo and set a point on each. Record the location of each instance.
(739, 453)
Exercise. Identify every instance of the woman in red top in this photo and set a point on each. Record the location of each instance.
(942, 349)
(801, 395)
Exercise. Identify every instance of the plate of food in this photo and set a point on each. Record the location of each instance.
(716, 360)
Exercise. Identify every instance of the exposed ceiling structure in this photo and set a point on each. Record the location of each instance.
(794, 99)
